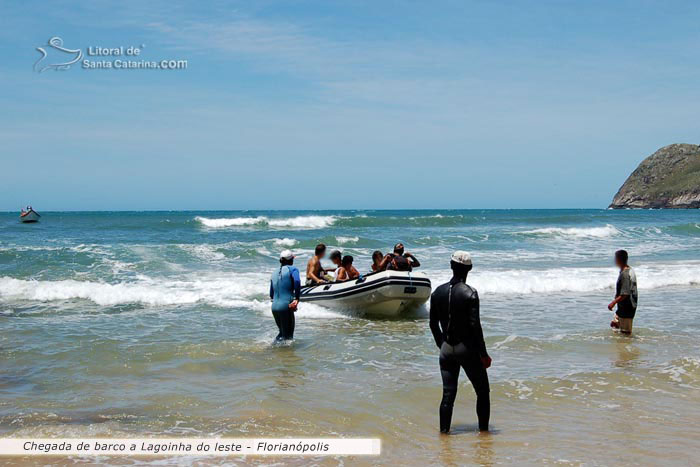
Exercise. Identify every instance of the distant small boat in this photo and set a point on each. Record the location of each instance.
(29, 216)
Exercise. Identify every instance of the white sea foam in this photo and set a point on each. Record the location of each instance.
(230, 222)
(298, 222)
(285, 242)
(204, 251)
(578, 232)
(313, 311)
(304, 222)
(263, 251)
(81, 248)
(685, 371)
(222, 290)
(346, 240)
(247, 290)
(250, 289)
(578, 280)
(505, 341)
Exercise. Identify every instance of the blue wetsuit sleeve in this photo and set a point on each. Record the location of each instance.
(297, 283)
(272, 291)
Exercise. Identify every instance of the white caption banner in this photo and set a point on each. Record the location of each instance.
(189, 446)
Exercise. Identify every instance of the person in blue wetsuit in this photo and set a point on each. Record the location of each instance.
(285, 289)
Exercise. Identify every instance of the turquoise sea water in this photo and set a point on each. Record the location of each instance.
(157, 323)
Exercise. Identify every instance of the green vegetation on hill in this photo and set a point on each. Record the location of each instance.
(669, 178)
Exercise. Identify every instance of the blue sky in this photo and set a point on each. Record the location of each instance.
(330, 105)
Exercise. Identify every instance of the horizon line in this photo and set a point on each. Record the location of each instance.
(334, 210)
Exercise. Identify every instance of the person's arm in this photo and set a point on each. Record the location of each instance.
(296, 286)
(478, 334)
(272, 291)
(617, 300)
(385, 263)
(308, 269)
(435, 322)
(625, 290)
(296, 281)
(414, 261)
(341, 275)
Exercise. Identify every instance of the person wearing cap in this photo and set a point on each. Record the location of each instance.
(456, 328)
(285, 290)
(399, 260)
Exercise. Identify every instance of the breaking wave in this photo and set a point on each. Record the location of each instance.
(578, 232)
(298, 222)
(583, 279)
(285, 242)
(346, 240)
(579, 280)
(250, 289)
(242, 290)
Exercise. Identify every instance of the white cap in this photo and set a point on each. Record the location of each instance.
(462, 257)
(287, 254)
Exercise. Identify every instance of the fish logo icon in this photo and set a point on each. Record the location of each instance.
(56, 49)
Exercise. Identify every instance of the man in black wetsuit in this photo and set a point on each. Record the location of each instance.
(455, 324)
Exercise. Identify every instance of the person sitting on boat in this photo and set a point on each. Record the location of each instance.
(399, 260)
(377, 258)
(347, 271)
(314, 269)
(336, 258)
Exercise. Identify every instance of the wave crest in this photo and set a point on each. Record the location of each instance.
(577, 280)
(251, 289)
(298, 222)
(579, 232)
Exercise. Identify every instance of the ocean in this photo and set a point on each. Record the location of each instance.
(128, 324)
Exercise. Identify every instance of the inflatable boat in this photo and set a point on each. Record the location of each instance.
(386, 293)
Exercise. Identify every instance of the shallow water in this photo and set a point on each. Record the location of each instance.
(154, 324)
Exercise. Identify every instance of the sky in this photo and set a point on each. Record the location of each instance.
(342, 105)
